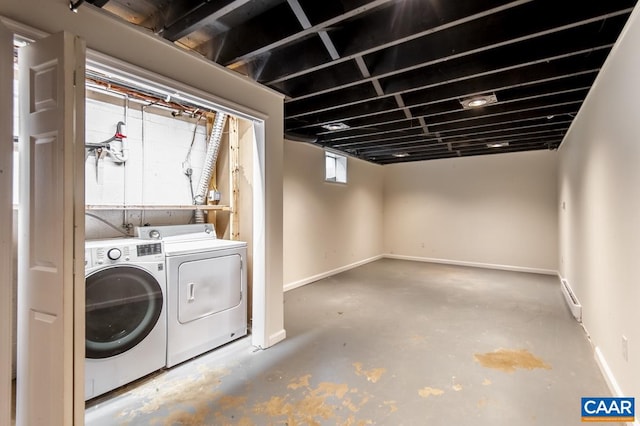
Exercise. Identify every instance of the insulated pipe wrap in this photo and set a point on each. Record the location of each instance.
(209, 163)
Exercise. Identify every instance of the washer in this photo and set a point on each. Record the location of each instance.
(126, 334)
(207, 289)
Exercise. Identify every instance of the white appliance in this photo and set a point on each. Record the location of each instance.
(126, 335)
(206, 289)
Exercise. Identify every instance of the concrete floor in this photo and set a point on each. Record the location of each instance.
(389, 343)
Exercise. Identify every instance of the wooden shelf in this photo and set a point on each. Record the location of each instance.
(157, 207)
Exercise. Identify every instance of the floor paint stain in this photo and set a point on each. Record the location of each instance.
(326, 389)
(196, 400)
(363, 402)
(427, 392)
(231, 402)
(306, 410)
(276, 406)
(317, 406)
(300, 382)
(486, 382)
(302, 412)
(190, 394)
(350, 405)
(508, 360)
(372, 375)
(186, 417)
(312, 408)
(393, 407)
(456, 387)
(482, 402)
(351, 421)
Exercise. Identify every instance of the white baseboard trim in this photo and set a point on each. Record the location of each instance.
(612, 383)
(473, 264)
(314, 278)
(327, 274)
(277, 337)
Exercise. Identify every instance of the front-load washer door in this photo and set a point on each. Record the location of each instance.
(208, 286)
(123, 304)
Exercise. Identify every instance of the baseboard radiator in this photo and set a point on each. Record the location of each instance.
(572, 301)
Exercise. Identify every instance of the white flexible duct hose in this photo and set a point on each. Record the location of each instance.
(209, 163)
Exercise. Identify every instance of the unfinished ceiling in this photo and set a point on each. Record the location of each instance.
(387, 80)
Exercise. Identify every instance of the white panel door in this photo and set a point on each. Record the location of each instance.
(50, 261)
(6, 220)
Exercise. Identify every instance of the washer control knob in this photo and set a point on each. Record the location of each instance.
(155, 234)
(114, 254)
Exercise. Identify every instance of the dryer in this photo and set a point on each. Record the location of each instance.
(207, 289)
(125, 338)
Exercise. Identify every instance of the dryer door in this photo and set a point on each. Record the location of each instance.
(208, 286)
(123, 304)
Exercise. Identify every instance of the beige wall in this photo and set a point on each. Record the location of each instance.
(147, 51)
(328, 226)
(599, 179)
(496, 210)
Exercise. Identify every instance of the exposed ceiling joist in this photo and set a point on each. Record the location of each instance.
(372, 77)
(196, 16)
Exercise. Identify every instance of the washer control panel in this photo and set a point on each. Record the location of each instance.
(149, 249)
(106, 252)
(114, 254)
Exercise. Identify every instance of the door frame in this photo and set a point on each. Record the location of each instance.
(145, 78)
(6, 219)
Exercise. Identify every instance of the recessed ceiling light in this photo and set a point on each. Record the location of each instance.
(478, 101)
(497, 144)
(400, 154)
(335, 126)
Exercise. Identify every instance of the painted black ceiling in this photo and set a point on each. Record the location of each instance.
(393, 72)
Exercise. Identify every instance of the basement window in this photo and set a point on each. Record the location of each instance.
(335, 167)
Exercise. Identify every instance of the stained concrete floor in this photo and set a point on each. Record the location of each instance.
(389, 343)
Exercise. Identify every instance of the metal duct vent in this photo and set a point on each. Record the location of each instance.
(209, 163)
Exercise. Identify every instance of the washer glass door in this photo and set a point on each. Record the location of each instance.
(123, 304)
